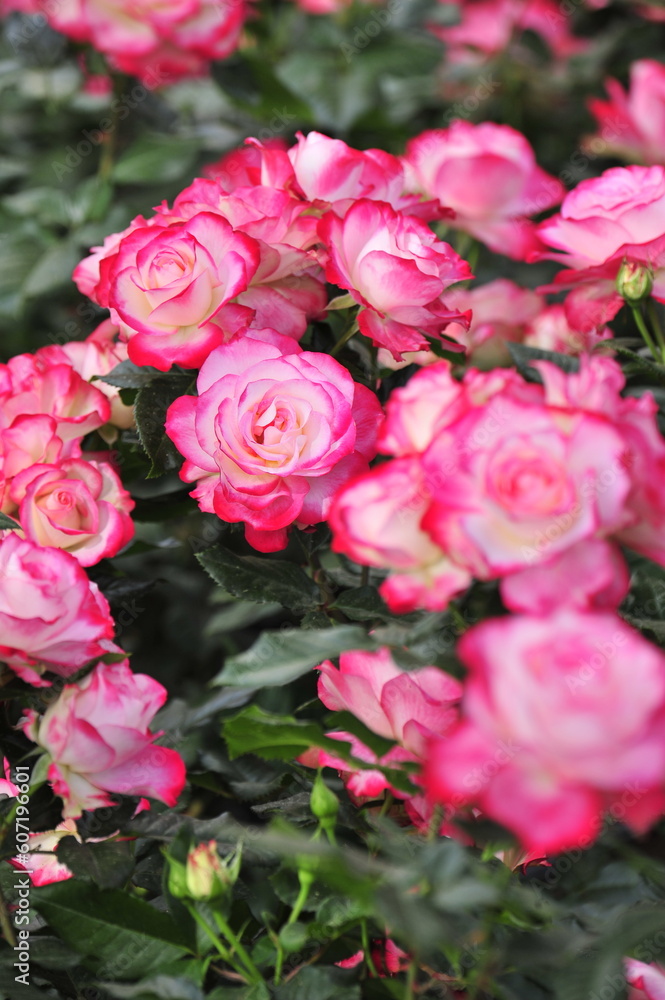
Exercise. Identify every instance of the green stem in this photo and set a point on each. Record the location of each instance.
(409, 989)
(656, 327)
(306, 880)
(346, 336)
(239, 949)
(367, 949)
(279, 964)
(215, 940)
(642, 327)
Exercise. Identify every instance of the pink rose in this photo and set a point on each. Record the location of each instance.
(500, 312)
(362, 784)
(96, 734)
(41, 862)
(33, 385)
(551, 330)
(51, 616)
(516, 487)
(487, 28)
(77, 505)
(376, 520)
(647, 981)
(97, 355)
(167, 284)
(604, 221)
(488, 175)
(562, 720)
(328, 171)
(400, 705)
(395, 267)
(253, 164)
(160, 41)
(29, 440)
(273, 434)
(632, 125)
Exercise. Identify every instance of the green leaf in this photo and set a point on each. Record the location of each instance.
(108, 864)
(152, 403)
(523, 356)
(321, 981)
(53, 270)
(361, 604)
(8, 523)
(127, 375)
(125, 937)
(280, 657)
(262, 580)
(156, 988)
(155, 159)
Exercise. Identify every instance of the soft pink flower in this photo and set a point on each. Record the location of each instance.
(29, 440)
(400, 705)
(647, 980)
(51, 616)
(97, 355)
(252, 164)
(563, 720)
(165, 286)
(376, 520)
(395, 267)
(329, 172)
(158, 41)
(488, 175)
(273, 434)
(362, 784)
(41, 862)
(96, 734)
(590, 575)
(32, 385)
(632, 125)
(77, 505)
(551, 330)
(488, 28)
(500, 312)
(604, 221)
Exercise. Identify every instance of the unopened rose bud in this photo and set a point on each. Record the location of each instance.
(634, 282)
(323, 802)
(208, 876)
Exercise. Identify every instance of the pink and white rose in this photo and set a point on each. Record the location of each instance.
(273, 434)
(488, 175)
(562, 721)
(97, 736)
(52, 617)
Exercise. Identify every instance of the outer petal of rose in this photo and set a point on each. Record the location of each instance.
(180, 427)
(266, 541)
(591, 574)
(157, 772)
(648, 978)
(548, 817)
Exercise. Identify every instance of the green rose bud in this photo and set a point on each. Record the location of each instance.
(634, 282)
(323, 802)
(207, 875)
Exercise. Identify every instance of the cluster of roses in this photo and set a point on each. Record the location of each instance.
(158, 42)
(490, 477)
(70, 511)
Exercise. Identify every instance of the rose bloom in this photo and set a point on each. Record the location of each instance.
(488, 28)
(606, 221)
(647, 981)
(487, 174)
(96, 734)
(562, 721)
(395, 267)
(551, 330)
(97, 355)
(165, 285)
(405, 706)
(274, 432)
(159, 41)
(632, 125)
(77, 505)
(28, 441)
(500, 312)
(52, 617)
(30, 385)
